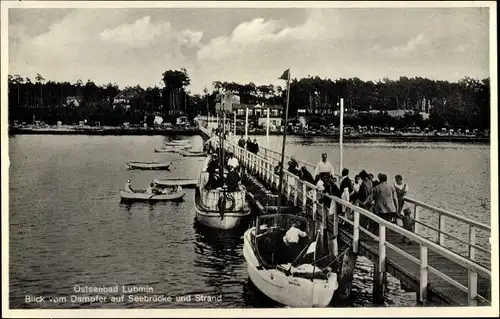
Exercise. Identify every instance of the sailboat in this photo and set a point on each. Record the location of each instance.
(220, 208)
(302, 274)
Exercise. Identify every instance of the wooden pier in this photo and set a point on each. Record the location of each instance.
(448, 261)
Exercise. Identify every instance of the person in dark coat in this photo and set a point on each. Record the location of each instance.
(306, 175)
(249, 145)
(293, 166)
(233, 180)
(241, 142)
(346, 181)
(255, 146)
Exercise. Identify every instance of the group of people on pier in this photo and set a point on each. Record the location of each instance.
(376, 195)
(252, 147)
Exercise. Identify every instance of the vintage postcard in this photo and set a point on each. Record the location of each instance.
(249, 159)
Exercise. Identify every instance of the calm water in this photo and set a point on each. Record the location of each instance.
(68, 227)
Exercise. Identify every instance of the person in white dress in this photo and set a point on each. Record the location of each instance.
(401, 190)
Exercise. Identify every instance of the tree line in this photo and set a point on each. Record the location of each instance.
(465, 103)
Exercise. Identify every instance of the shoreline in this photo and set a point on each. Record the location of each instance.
(196, 131)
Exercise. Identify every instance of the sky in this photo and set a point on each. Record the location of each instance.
(130, 46)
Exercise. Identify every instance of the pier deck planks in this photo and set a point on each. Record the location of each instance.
(408, 272)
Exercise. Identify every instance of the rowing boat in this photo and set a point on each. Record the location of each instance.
(148, 165)
(168, 150)
(140, 195)
(178, 145)
(180, 141)
(173, 181)
(193, 154)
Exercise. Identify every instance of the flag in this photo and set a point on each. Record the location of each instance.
(285, 75)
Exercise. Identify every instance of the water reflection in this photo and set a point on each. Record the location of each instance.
(220, 260)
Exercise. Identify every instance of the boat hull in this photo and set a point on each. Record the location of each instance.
(147, 166)
(194, 154)
(175, 181)
(207, 212)
(168, 150)
(288, 290)
(140, 196)
(178, 145)
(213, 219)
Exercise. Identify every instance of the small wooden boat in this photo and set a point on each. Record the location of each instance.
(168, 150)
(141, 195)
(183, 145)
(193, 154)
(297, 275)
(179, 141)
(149, 165)
(173, 181)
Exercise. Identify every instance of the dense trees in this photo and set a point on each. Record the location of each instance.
(465, 103)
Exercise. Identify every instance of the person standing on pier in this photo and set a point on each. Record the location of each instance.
(323, 167)
(401, 190)
(255, 146)
(249, 145)
(241, 142)
(385, 199)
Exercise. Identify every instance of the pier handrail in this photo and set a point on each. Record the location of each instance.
(442, 234)
(262, 165)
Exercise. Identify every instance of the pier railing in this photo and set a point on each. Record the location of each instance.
(462, 235)
(307, 196)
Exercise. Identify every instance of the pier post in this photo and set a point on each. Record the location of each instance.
(343, 294)
(472, 242)
(304, 197)
(424, 272)
(314, 204)
(472, 275)
(296, 193)
(441, 226)
(288, 189)
(355, 232)
(416, 216)
(332, 211)
(379, 274)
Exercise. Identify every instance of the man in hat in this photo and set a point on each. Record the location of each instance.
(324, 167)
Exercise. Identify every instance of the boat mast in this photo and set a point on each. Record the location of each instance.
(285, 76)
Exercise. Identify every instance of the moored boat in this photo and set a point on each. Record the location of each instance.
(193, 154)
(173, 181)
(179, 145)
(180, 141)
(168, 150)
(142, 195)
(148, 165)
(219, 208)
(297, 275)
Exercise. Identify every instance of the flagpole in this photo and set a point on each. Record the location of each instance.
(246, 127)
(267, 130)
(284, 142)
(234, 123)
(341, 141)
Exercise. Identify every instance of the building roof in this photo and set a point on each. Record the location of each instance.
(257, 106)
